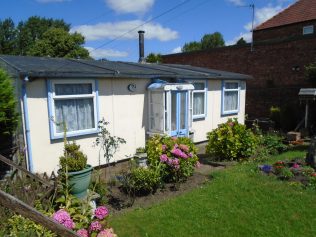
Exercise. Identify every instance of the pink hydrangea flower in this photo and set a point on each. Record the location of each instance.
(95, 226)
(83, 233)
(184, 147)
(101, 212)
(63, 217)
(176, 161)
(107, 233)
(163, 147)
(163, 158)
(177, 152)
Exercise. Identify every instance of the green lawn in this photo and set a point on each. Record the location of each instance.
(237, 202)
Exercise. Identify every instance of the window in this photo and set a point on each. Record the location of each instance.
(74, 103)
(199, 99)
(157, 110)
(308, 30)
(230, 98)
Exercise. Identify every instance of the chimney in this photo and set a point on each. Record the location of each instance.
(141, 46)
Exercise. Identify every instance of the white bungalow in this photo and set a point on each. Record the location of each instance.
(137, 99)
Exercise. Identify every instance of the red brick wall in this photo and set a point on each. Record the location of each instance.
(287, 31)
(275, 82)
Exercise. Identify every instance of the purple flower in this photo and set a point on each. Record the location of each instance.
(95, 226)
(190, 154)
(184, 147)
(296, 166)
(163, 158)
(83, 233)
(101, 212)
(177, 152)
(175, 161)
(63, 217)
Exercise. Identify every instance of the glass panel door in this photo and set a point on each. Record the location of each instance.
(179, 113)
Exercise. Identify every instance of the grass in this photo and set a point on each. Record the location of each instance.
(239, 201)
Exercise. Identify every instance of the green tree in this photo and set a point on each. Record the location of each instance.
(8, 115)
(191, 46)
(210, 41)
(56, 42)
(153, 58)
(241, 41)
(33, 29)
(8, 35)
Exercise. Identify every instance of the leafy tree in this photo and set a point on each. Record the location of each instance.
(210, 41)
(8, 115)
(56, 42)
(33, 29)
(153, 58)
(241, 41)
(191, 46)
(7, 36)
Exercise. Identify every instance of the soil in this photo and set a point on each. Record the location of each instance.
(119, 202)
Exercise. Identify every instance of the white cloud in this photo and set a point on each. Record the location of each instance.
(49, 1)
(110, 30)
(128, 6)
(237, 2)
(261, 15)
(106, 53)
(177, 50)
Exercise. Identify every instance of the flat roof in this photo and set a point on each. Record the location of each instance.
(46, 67)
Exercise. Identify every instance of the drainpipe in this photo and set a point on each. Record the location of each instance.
(29, 159)
(141, 46)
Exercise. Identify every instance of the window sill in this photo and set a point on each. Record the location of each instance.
(75, 134)
(227, 113)
(199, 117)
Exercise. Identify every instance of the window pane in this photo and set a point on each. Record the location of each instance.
(173, 111)
(199, 85)
(231, 85)
(183, 109)
(73, 89)
(78, 114)
(231, 100)
(198, 103)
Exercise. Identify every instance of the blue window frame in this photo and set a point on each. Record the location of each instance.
(75, 103)
(199, 99)
(230, 97)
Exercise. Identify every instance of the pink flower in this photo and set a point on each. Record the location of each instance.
(95, 226)
(101, 212)
(163, 158)
(83, 233)
(177, 152)
(190, 154)
(175, 161)
(296, 166)
(231, 124)
(184, 147)
(107, 233)
(163, 147)
(63, 217)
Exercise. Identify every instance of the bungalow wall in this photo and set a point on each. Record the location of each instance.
(125, 111)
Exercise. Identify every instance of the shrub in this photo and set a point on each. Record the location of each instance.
(273, 143)
(141, 181)
(231, 141)
(177, 157)
(73, 158)
(286, 173)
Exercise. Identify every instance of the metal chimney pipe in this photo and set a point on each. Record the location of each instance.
(141, 46)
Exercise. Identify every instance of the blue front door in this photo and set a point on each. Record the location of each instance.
(179, 113)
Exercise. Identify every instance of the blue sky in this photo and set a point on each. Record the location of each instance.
(107, 24)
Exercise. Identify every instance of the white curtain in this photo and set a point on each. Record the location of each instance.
(198, 103)
(231, 100)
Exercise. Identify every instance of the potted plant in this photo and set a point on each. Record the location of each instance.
(73, 164)
(141, 156)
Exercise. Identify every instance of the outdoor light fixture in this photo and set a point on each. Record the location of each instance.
(296, 68)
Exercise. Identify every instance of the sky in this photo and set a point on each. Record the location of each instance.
(110, 26)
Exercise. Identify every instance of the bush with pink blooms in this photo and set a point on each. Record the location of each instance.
(177, 157)
(96, 226)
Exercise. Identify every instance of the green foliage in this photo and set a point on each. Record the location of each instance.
(73, 159)
(163, 150)
(307, 171)
(241, 41)
(231, 141)
(100, 187)
(8, 114)
(141, 180)
(310, 72)
(191, 46)
(57, 42)
(140, 150)
(208, 41)
(273, 143)
(41, 36)
(286, 173)
(312, 183)
(153, 58)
